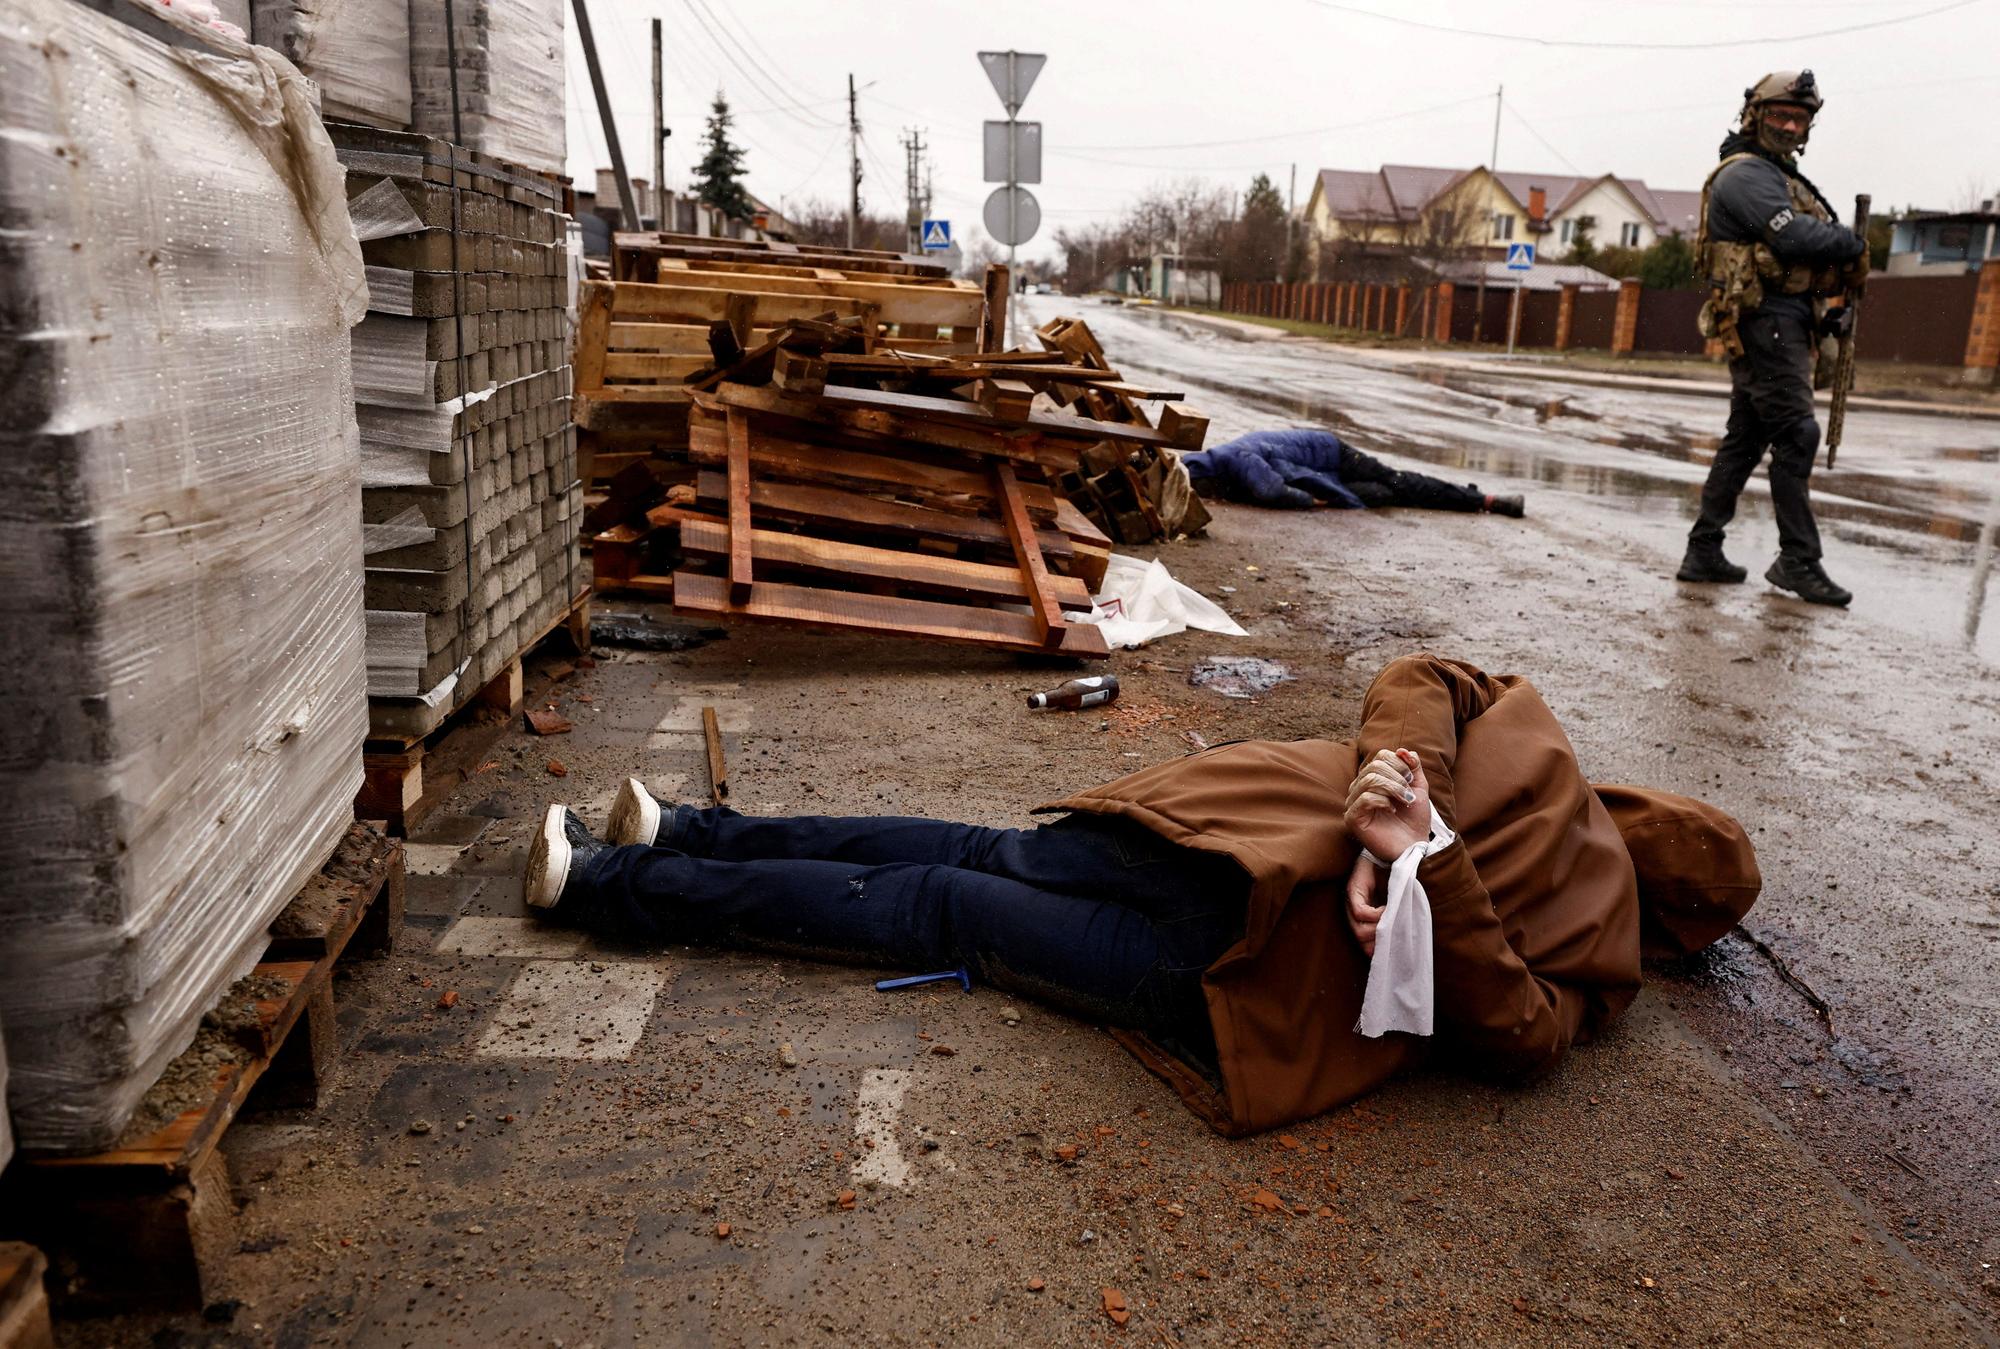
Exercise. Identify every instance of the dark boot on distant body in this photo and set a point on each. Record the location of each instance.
(561, 849)
(1807, 580)
(1705, 562)
(1515, 506)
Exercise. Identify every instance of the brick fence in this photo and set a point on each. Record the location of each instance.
(1931, 320)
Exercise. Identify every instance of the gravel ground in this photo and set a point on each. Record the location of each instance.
(446, 1194)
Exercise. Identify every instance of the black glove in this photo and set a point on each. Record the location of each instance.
(1837, 323)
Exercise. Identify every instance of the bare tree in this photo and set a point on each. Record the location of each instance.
(1448, 229)
(1973, 194)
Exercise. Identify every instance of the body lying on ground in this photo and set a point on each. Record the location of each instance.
(1298, 467)
(1218, 911)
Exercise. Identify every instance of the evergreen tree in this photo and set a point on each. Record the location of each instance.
(1668, 264)
(719, 176)
(1259, 251)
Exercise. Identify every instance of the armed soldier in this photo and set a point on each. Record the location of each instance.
(1774, 253)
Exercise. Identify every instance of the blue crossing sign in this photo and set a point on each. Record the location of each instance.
(937, 235)
(1520, 257)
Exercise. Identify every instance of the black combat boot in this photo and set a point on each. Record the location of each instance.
(562, 847)
(1514, 506)
(1807, 580)
(1705, 562)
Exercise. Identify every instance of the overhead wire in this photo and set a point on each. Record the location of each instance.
(1591, 44)
(766, 84)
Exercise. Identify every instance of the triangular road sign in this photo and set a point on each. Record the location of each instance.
(1013, 75)
(937, 234)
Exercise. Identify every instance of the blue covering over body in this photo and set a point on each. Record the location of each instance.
(1287, 469)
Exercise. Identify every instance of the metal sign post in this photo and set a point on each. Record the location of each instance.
(1520, 261)
(1013, 156)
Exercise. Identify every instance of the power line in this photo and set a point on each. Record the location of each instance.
(1291, 135)
(726, 44)
(1531, 40)
(1543, 141)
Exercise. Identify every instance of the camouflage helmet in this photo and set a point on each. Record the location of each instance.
(1784, 86)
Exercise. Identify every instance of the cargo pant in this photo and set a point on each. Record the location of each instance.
(1770, 408)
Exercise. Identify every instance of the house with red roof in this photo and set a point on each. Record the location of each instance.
(1430, 214)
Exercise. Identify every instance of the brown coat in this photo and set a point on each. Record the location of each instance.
(1536, 912)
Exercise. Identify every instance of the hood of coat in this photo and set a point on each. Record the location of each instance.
(1697, 869)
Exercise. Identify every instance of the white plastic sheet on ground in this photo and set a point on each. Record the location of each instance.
(1141, 602)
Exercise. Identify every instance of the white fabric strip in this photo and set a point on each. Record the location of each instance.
(1402, 977)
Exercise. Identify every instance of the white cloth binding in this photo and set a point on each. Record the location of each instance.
(1402, 977)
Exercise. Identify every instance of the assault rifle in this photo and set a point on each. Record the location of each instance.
(1843, 366)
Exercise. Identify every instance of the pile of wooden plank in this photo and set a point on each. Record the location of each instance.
(1134, 493)
(638, 341)
(839, 478)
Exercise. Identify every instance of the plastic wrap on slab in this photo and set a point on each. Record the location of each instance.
(508, 98)
(180, 540)
(357, 51)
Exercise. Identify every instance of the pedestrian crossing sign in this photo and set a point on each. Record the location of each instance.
(1520, 257)
(937, 235)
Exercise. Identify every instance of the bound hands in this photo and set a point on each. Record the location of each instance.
(1388, 809)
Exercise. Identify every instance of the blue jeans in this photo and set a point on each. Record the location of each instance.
(1099, 917)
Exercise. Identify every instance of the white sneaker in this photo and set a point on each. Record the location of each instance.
(635, 816)
(548, 860)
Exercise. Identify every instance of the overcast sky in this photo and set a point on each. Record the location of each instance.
(1141, 93)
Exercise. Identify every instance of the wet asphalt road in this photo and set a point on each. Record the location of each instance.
(1900, 515)
(1861, 747)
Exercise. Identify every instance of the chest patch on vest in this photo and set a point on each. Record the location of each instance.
(1782, 219)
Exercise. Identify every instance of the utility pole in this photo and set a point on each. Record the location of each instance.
(627, 203)
(853, 165)
(659, 137)
(918, 203)
(1493, 172)
(1291, 211)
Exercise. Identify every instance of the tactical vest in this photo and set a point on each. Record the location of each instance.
(1738, 273)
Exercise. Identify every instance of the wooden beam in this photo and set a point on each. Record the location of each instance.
(705, 536)
(1183, 427)
(773, 455)
(992, 438)
(739, 507)
(691, 304)
(718, 771)
(593, 330)
(993, 327)
(1042, 606)
(971, 414)
(890, 615)
(832, 508)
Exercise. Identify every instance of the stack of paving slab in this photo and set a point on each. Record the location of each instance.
(356, 51)
(182, 691)
(470, 495)
(494, 81)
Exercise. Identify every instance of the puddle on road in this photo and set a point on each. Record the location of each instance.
(1237, 676)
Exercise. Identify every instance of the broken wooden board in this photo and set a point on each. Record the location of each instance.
(708, 537)
(884, 615)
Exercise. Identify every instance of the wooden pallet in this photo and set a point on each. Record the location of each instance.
(955, 548)
(393, 785)
(24, 1300)
(635, 255)
(148, 1222)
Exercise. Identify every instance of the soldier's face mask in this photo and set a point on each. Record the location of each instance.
(1782, 127)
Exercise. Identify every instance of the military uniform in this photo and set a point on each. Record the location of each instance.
(1773, 254)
